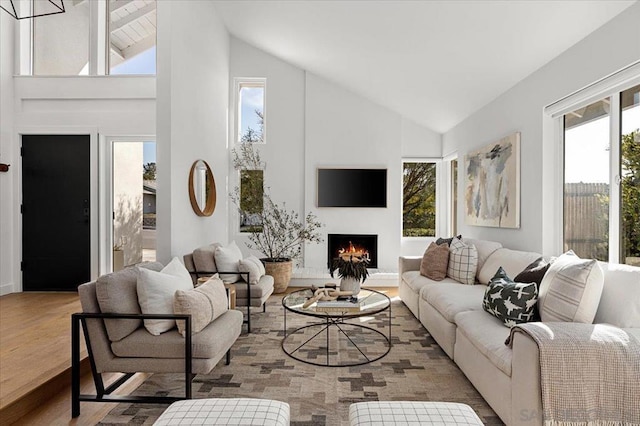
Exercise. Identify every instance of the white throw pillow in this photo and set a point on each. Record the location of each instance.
(156, 291)
(228, 260)
(463, 262)
(254, 267)
(571, 289)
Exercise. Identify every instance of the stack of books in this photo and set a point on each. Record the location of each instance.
(350, 305)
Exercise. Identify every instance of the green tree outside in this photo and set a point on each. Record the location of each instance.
(419, 200)
(630, 194)
(149, 171)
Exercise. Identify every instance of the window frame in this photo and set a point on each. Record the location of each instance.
(105, 31)
(451, 225)
(238, 83)
(553, 153)
(99, 44)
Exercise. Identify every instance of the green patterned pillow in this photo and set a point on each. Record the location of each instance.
(511, 302)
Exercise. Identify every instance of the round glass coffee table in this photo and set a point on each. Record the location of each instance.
(336, 337)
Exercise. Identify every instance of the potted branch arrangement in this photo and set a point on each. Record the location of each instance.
(352, 271)
(274, 230)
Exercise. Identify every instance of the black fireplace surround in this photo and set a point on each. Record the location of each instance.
(365, 242)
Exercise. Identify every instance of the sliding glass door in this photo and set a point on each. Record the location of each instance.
(602, 179)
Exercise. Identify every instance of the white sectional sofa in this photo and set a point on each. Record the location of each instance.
(508, 379)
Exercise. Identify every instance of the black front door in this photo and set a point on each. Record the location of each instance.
(55, 212)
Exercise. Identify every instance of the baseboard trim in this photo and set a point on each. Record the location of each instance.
(6, 289)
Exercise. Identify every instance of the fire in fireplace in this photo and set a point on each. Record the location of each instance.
(364, 245)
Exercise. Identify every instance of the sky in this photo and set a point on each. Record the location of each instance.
(149, 152)
(587, 147)
(144, 63)
(252, 99)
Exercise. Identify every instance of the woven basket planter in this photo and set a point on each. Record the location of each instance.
(281, 273)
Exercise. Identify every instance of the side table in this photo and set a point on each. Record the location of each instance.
(231, 294)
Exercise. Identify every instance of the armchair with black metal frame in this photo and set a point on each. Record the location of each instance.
(143, 352)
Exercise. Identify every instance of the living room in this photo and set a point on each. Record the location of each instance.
(320, 116)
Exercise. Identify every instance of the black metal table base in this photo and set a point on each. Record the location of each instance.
(341, 325)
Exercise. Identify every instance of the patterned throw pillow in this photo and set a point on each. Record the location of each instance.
(435, 261)
(463, 262)
(447, 241)
(511, 302)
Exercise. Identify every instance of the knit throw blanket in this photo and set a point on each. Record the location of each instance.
(590, 373)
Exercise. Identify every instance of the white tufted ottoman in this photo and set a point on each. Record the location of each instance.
(411, 413)
(226, 411)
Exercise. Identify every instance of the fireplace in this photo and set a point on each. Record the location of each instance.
(357, 243)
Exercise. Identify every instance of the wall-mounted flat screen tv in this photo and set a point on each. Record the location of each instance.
(352, 187)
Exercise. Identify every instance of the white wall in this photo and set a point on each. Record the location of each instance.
(6, 154)
(345, 130)
(311, 123)
(613, 46)
(418, 141)
(97, 106)
(283, 152)
(192, 116)
(127, 199)
(62, 42)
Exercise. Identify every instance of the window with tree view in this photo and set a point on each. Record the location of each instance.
(251, 112)
(251, 200)
(601, 216)
(630, 176)
(418, 199)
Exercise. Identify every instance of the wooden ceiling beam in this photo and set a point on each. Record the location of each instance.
(116, 51)
(116, 5)
(140, 46)
(132, 17)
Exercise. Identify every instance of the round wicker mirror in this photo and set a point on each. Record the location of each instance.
(202, 188)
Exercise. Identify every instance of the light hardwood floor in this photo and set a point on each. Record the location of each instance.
(35, 357)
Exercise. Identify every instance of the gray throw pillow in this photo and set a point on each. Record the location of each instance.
(117, 294)
(511, 302)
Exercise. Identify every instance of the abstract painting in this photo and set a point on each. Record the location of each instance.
(492, 195)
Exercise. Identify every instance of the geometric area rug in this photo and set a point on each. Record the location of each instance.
(415, 369)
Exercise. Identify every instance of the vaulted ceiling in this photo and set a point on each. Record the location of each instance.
(435, 62)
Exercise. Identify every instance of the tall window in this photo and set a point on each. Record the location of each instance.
(601, 216)
(250, 120)
(93, 38)
(630, 176)
(418, 199)
(132, 37)
(586, 180)
(251, 200)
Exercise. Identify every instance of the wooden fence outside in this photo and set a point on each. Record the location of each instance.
(586, 219)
